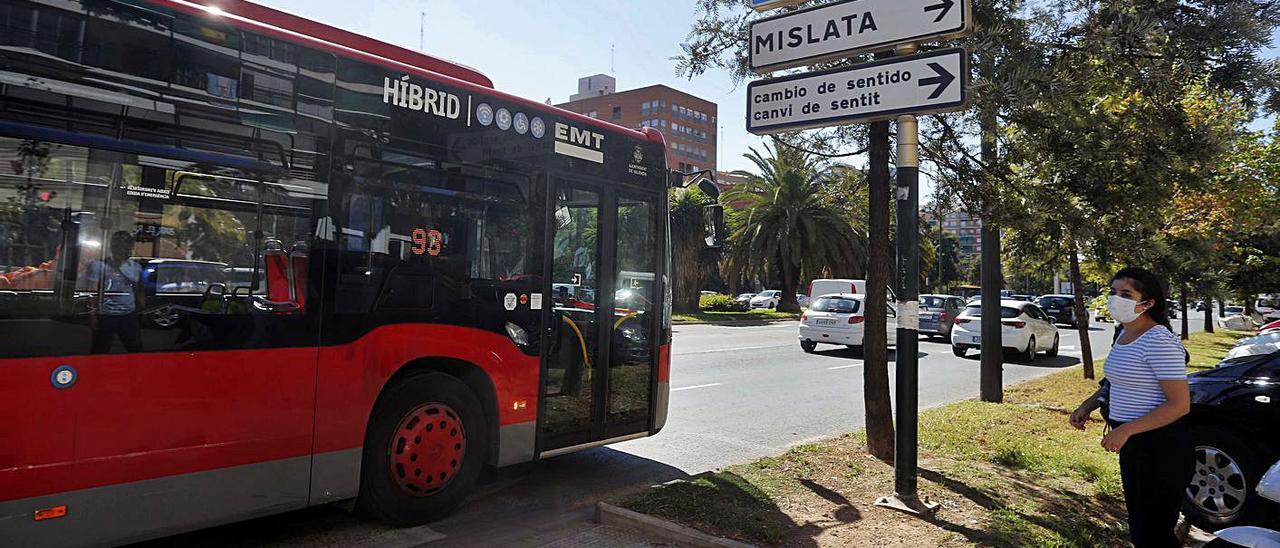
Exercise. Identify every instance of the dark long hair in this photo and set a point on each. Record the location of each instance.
(1151, 289)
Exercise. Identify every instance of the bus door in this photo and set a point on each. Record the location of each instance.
(599, 346)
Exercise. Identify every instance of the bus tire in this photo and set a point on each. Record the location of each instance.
(427, 430)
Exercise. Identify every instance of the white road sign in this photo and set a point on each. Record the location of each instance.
(845, 28)
(927, 83)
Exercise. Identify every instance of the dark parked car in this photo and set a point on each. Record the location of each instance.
(938, 314)
(1060, 308)
(1235, 415)
(175, 283)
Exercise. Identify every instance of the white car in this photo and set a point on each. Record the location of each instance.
(1269, 307)
(1257, 349)
(818, 288)
(840, 319)
(1024, 329)
(767, 299)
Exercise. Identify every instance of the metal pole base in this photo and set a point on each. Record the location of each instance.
(913, 506)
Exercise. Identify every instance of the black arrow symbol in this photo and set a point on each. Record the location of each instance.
(945, 6)
(942, 80)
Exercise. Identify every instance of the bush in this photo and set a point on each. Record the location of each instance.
(718, 303)
(1100, 303)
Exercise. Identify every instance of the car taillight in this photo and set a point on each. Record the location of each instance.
(942, 317)
(963, 320)
(804, 317)
(855, 320)
(1016, 324)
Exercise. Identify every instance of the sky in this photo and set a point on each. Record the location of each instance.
(538, 49)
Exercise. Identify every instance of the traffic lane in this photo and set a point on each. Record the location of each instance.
(734, 406)
(711, 338)
(692, 370)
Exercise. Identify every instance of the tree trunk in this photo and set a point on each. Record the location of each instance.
(1082, 314)
(1186, 322)
(875, 371)
(686, 274)
(788, 302)
(1208, 312)
(991, 372)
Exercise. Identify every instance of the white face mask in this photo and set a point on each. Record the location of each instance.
(1122, 309)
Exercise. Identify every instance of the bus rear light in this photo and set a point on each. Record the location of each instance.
(51, 513)
(855, 320)
(519, 405)
(664, 363)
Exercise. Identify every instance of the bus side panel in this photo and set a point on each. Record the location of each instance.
(353, 375)
(131, 417)
(184, 439)
(143, 510)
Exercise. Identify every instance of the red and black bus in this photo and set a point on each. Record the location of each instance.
(250, 263)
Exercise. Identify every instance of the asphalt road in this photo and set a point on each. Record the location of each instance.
(738, 393)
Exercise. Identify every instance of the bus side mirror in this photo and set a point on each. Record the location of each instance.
(710, 188)
(714, 215)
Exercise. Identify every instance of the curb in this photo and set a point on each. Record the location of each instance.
(608, 514)
(737, 322)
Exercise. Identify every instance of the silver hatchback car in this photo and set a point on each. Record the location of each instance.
(938, 314)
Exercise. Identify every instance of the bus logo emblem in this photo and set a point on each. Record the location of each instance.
(579, 143)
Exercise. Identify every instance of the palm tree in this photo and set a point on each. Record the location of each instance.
(689, 252)
(793, 226)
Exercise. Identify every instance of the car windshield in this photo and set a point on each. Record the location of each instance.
(933, 302)
(770, 294)
(1268, 303)
(1005, 312)
(839, 305)
(1234, 310)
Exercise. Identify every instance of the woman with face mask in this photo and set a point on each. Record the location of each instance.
(1146, 396)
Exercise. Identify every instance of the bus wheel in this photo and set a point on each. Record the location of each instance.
(423, 452)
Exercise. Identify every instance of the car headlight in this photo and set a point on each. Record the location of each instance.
(517, 334)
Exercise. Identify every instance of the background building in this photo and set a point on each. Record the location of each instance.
(967, 229)
(688, 122)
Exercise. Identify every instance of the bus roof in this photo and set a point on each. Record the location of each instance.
(285, 26)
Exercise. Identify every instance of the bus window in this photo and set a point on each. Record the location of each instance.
(128, 253)
(425, 241)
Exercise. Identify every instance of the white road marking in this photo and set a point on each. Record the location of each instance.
(730, 349)
(843, 367)
(695, 387)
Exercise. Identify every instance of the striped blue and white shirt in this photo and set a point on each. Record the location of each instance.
(1136, 369)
